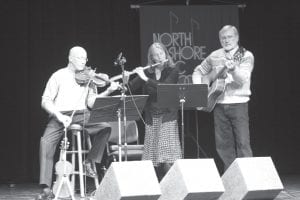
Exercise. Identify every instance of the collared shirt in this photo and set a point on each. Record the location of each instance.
(237, 82)
(65, 93)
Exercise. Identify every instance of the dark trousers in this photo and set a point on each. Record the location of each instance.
(232, 136)
(54, 132)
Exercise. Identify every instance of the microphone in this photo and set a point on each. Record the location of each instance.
(118, 60)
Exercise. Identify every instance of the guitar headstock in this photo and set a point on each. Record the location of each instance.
(65, 144)
(239, 54)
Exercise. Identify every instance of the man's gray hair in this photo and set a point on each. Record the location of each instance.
(228, 27)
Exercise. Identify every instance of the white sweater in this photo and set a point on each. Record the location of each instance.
(237, 81)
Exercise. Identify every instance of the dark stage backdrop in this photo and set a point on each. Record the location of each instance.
(36, 35)
(189, 33)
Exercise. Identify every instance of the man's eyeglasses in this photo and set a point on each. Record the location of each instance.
(81, 58)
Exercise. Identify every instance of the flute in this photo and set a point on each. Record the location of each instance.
(117, 77)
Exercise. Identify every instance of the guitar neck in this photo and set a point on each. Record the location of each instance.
(63, 148)
(214, 75)
(62, 155)
(221, 72)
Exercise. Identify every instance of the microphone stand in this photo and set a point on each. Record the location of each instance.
(121, 61)
(182, 101)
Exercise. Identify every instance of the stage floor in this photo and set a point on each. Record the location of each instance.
(26, 191)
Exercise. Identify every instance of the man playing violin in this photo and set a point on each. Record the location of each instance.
(66, 102)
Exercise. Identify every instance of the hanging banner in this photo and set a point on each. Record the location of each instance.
(190, 33)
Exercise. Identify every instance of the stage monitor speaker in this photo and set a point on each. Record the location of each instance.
(251, 178)
(191, 179)
(131, 180)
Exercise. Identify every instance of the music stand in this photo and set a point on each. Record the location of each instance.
(183, 96)
(110, 109)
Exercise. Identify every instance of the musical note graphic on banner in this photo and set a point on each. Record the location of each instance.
(194, 23)
(172, 17)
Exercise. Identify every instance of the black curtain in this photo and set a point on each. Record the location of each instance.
(36, 35)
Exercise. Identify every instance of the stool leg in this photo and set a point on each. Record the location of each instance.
(80, 164)
(73, 162)
(93, 163)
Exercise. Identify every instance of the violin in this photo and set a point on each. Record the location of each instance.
(62, 168)
(88, 75)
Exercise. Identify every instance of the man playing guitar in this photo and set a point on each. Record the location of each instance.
(228, 73)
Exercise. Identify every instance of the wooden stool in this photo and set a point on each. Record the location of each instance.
(76, 130)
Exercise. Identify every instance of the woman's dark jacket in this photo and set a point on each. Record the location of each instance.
(169, 76)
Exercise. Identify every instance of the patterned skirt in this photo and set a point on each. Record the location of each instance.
(162, 144)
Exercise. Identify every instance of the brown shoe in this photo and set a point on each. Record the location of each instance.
(89, 171)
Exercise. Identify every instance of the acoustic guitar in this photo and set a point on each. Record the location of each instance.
(216, 81)
(63, 168)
